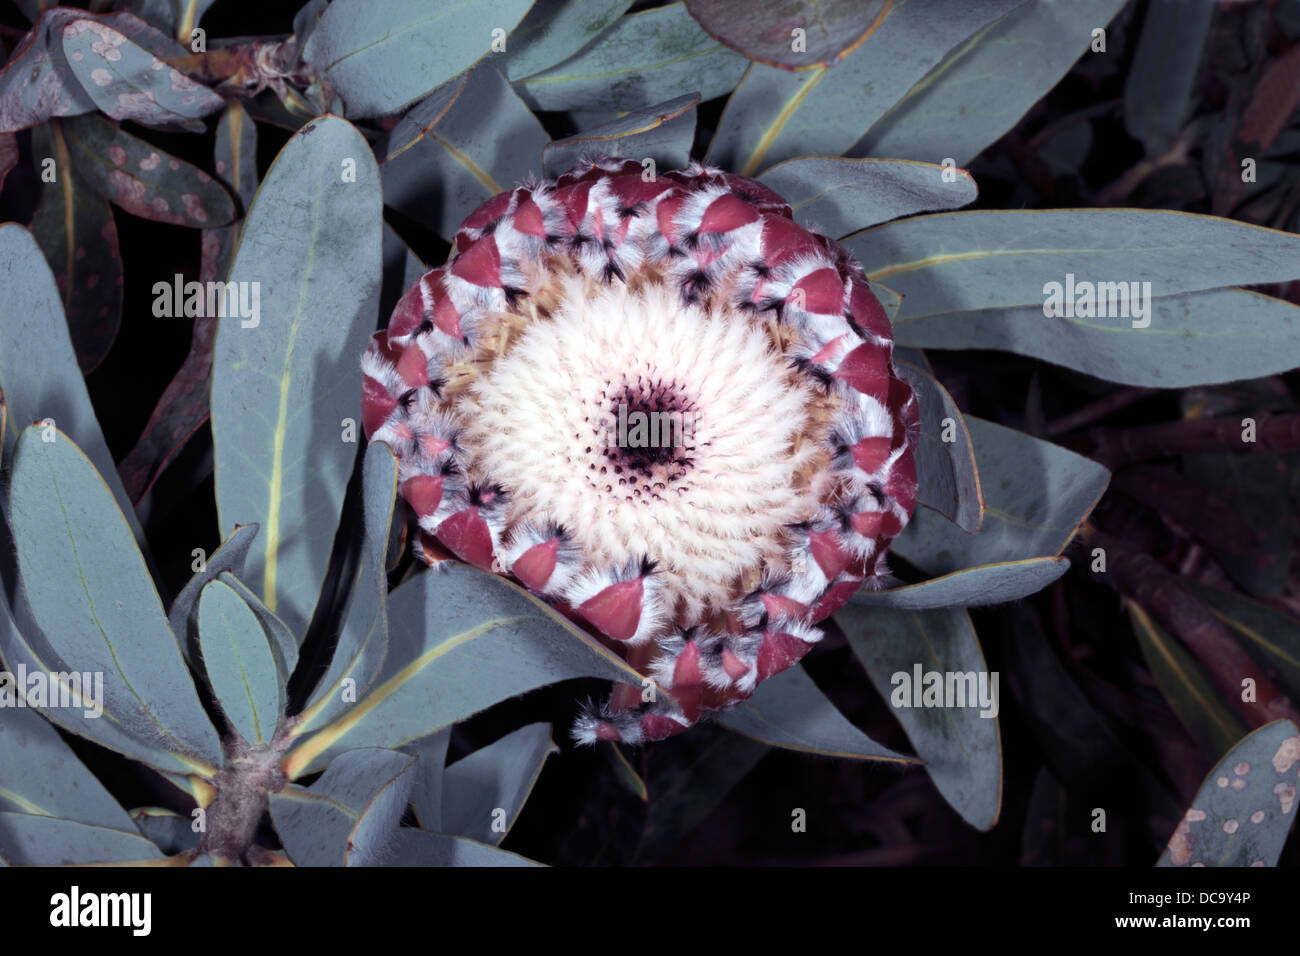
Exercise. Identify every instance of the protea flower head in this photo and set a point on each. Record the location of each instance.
(661, 405)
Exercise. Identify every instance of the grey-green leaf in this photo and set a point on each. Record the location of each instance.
(788, 710)
(467, 142)
(958, 738)
(973, 587)
(837, 195)
(984, 86)
(460, 640)
(484, 792)
(1245, 807)
(239, 664)
(381, 59)
(776, 115)
(947, 479)
(285, 382)
(183, 616)
(363, 643)
(554, 30)
(38, 368)
(30, 840)
(663, 133)
(91, 594)
(966, 261)
(40, 774)
(1036, 495)
(645, 58)
(426, 795)
(171, 832)
(350, 815)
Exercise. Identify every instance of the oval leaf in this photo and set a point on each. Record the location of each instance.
(956, 731)
(184, 615)
(381, 59)
(144, 181)
(127, 82)
(91, 594)
(285, 379)
(239, 665)
(1245, 808)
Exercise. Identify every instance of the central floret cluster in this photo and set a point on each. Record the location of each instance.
(663, 406)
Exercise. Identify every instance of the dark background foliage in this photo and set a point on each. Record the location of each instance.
(716, 798)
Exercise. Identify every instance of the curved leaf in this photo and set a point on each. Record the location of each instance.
(776, 115)
(285, 381)
(29, 840)
(460, 147)
(239, 665)
(127, 82)
(947, 479)
(484, 792)
(1245, 808)
(183, 616)
(983, 87)
(143, 180)
(348, 816)
(381, 59)
(788, 710)
(663, 133)
(554, 30)
(460, 640)
(40, 774)
(973, 587)
(37, 82)
(645, 58)
(91, 593)
(828, 29)
(837, 196)
(958, 737)
(170, 832)
(427, 795)
(1158, 87)
(1036, 495)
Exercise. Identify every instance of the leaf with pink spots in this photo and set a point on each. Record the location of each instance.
(1245, 807)
(74, 227)
(143, 180)
(38, 82)
(127, 81)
